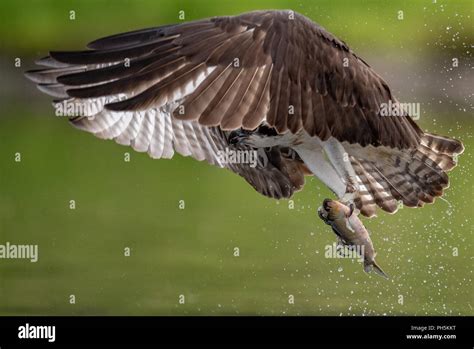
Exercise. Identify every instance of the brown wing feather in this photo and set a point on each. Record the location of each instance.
(332, 91)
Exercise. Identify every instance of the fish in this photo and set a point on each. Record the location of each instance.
(350, 231)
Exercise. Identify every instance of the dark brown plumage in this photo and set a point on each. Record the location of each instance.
(184, 87)
(269, 60)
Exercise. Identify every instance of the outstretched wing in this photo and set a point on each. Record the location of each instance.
(181, 87)
(276, 67)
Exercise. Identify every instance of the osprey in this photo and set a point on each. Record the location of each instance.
(270, 82)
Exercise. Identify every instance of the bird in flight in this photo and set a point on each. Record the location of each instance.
(273, 83)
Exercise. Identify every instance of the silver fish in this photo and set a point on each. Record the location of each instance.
(351, 231)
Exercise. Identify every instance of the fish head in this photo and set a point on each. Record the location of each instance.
(332, 210)
(323, 211)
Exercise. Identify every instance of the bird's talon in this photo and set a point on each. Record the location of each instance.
(238, 137)
(351, 207)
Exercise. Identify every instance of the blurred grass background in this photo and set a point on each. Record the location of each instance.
(190, 252)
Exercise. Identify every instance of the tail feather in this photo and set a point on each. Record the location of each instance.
(442, 145)
(387, 176)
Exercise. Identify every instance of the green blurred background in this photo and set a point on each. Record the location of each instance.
(190, 252)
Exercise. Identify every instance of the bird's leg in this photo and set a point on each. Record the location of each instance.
(317, 163)
(340, 160)
(351, 192)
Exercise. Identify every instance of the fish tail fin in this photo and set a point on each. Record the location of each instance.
(369, 266)
(379, 271)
